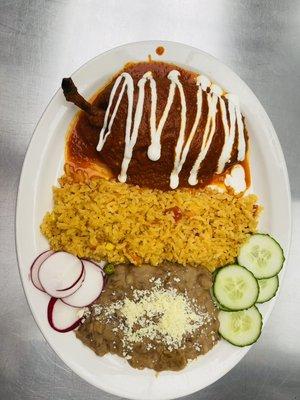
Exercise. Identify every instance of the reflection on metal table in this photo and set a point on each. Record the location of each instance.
(42, 41)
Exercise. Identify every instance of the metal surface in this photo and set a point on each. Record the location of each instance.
(40, 42)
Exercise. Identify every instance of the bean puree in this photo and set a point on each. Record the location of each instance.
(158, 318)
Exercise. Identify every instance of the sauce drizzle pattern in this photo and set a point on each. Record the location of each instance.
(214, 97)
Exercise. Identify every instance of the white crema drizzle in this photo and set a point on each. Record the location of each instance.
(183, 146)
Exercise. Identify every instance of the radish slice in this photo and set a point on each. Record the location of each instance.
(90, 289)
(100, 263)
(35, 266)
(62, 317)
(59, 294)
(61, 274)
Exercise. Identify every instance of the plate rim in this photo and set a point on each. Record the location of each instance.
(85, 375)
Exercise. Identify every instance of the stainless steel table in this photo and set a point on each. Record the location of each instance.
(42, 41)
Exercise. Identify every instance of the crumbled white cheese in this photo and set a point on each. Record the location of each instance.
(86, 312)
(149, 346)
(161, 315)
(198, 347)
(158, 282)
(97, 309)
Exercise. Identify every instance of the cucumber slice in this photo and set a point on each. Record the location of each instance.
(267, 289)
(235, 288)
(262, 255)
(240, 328)
(216, 303)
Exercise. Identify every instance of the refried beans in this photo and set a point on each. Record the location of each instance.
(158, 318)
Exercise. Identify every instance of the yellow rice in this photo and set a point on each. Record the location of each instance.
(102, 219)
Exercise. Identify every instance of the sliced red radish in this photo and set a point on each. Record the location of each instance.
(61, 274)
(100, 263)
(65, 293)
(62, 317)
(91, 287)
(35, 266)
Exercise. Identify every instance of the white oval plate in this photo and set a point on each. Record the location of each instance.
(43, 165)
